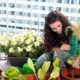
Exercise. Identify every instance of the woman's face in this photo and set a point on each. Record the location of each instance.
(56, 27)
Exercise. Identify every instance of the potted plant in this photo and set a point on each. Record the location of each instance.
(0, 73)
(42, 71)
(12, 74)
(21, 46)
(71, 73)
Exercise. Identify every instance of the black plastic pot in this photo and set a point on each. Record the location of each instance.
(17, 61)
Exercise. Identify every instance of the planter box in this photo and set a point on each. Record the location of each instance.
(71, 74)
(17, 61)
(33, 77)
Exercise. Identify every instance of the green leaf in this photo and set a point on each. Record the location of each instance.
(40, 74)
(55, 73)
(56, 63)
(46, 66)
(31, 65)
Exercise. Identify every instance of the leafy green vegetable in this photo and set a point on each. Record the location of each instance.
(31, 65)
(40, 74)
(46, 66)
(55, 73)
(56, 63)
(13, 74)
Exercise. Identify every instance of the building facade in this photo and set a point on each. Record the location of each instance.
(19, 15)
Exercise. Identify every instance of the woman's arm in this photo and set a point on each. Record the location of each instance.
(63, 47)
(77, 62)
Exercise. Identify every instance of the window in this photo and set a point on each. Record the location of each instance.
(66, 9)
(78, 10)
(12, 20)
(35, 22)
(3, 26)
(73, 1)
(21, 13)
(19, 6)
(42, 23)
(19, 21)
(35, 7)
(42, 15)
(78, 18)
(28, 14)
(73, 10)
(58, 8)
(3, 4)
(66, 1)
(50, 8)
(18, 27)
(11, 5)
(79, 1)
(28, 21)
(35, 14)
(2, 11)
(43, 7)
(43, 0)
(28, 6)
(12, 12)
(50, 0)
(35, 0)
(3, 20)
(72, 18)
(59, 1)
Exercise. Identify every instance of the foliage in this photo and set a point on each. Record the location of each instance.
(42, 71)
(13, 74)
(27, 44)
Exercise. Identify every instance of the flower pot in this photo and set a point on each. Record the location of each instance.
(26, 69)
(30, 77)
(0, 73)
(71, 74)
(17, 61)
(33, 77)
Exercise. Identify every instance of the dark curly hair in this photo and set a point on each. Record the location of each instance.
(51, 38)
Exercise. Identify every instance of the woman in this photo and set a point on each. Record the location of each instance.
(56, 39)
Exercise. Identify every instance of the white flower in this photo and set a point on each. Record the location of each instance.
(34, 33)
(38, 38)
(36, 43)
(29, 48)
(19, 49)
(13, 42)
(11, 50)
(28, 41)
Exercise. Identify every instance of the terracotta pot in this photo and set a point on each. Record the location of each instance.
(0, 73)
(33, 77)
(71, 74)
(30, 77)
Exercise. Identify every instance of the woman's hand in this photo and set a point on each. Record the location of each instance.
(65, 47)
(77, 62)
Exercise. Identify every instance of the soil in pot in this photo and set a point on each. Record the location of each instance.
(71, 74)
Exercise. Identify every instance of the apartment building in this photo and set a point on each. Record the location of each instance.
(19, 15)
